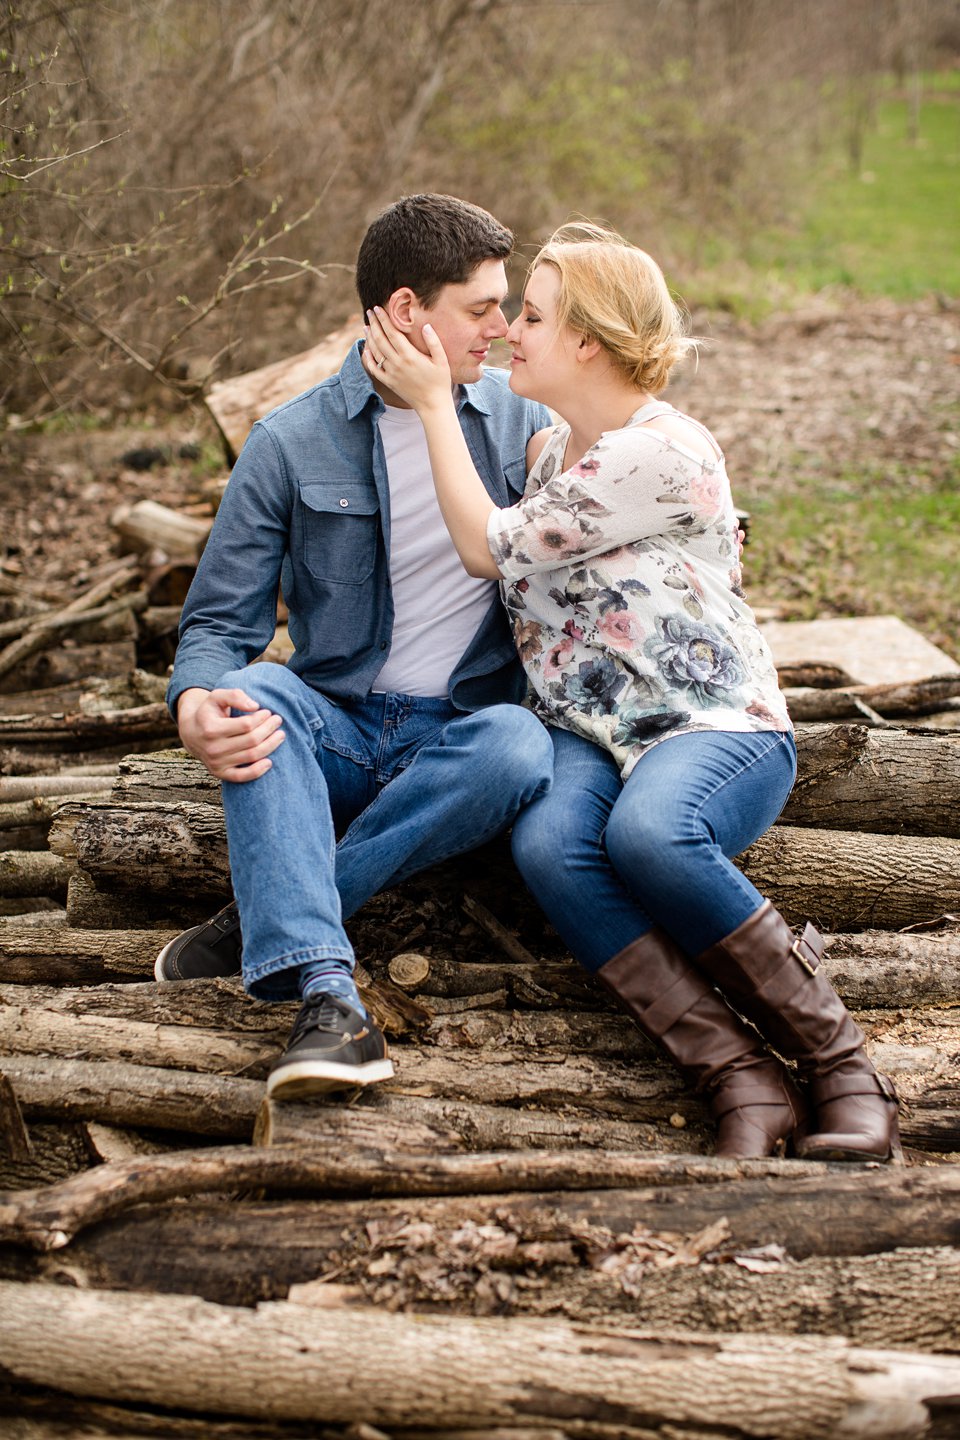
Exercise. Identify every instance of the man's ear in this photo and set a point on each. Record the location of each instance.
(402, 308)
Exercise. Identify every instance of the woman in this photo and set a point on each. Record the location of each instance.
(673, 747)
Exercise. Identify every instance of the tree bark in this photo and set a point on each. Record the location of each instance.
(62, 954)
(915, 697)
(888, 781)
(840, 879)
(136, 1096)
(60, 666)
(113, 727)
(292, 1361)
(847, 881)
(29, 872)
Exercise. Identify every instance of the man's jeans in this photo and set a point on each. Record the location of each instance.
(607, 861)
(403, 781)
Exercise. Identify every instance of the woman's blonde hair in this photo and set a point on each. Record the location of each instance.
(614, 293)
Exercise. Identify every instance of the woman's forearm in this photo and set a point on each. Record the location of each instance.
(464, 502)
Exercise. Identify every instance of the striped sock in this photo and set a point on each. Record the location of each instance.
(331, 977)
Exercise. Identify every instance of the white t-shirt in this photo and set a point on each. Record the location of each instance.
(438, 607)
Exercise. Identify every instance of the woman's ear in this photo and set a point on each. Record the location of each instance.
(402, 307)
(587, 348)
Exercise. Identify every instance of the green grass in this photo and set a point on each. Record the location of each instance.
(866, 543)
(892, 228)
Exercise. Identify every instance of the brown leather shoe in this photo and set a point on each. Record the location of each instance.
(777, 982)
(751, 1096)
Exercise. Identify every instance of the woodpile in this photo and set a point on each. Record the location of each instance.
(524, 1233)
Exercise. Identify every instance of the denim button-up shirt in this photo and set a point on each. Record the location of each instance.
(308, 508)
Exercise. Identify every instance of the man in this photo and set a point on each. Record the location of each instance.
(394, 738)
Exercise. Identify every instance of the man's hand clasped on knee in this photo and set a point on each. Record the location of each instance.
(232, 747)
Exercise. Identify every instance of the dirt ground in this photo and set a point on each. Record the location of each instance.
(831, 386)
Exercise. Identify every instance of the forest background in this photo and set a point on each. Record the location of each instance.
(183, 185)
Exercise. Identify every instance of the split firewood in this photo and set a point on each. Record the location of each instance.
(91, 909)
(363, 1366)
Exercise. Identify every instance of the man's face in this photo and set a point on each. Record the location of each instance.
(466, 318)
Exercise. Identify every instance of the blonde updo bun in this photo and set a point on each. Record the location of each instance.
(616, 294)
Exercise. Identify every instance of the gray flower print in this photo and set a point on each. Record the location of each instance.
(693, 656)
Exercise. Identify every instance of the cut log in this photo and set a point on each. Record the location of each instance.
(91, 909)
(135, 1096)
(236, 404)
(39, 811)
(847, 881)
(292, 1361)
(32, 873)
(900, 700)
(151, 847)
(56, 1152)
(65, 955)
(142, 722)
(49, 1218)
(72, 665)
(60, 787)
(893, 781)
(840, 879)
(147, 525)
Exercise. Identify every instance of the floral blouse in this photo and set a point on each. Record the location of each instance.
(622, 583)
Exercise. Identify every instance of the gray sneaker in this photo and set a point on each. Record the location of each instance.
(331, 1047)
(204, 952)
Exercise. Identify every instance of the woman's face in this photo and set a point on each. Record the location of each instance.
(544, 364)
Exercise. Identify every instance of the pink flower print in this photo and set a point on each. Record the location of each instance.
(693, 579)
(621, 630)
(557, 658)
(585, 468)
(554, 540)
(705, 494)
(572, 629)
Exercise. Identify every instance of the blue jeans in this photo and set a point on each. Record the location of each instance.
(404, 782)
(607, 861)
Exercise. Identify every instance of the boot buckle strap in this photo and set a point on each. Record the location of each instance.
(809, 949)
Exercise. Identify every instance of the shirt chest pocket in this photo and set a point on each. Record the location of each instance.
(341, 524)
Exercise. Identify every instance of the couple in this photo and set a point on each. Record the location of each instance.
(391, 499)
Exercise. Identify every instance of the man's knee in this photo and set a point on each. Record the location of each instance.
(519, 745)
(264, 682)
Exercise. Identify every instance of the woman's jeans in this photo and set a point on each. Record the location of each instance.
(403, 781)
(607, 860)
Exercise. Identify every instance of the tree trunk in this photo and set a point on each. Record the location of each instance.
(364, 1366)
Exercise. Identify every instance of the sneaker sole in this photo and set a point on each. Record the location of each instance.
(319, 1077)
(158, 964)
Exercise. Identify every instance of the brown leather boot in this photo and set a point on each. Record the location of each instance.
(775, 980)
(750, 1094)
